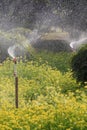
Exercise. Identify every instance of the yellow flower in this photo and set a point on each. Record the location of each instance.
(68, 129)
(85, 87)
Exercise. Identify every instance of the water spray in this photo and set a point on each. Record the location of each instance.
(76, 44)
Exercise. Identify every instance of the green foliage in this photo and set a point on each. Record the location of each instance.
(60, 61)
(79, 65)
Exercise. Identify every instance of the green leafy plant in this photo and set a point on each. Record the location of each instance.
(79, 65)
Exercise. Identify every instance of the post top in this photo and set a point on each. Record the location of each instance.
(15, 60)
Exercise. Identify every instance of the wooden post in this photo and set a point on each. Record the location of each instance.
(16, 92)
(16, 82)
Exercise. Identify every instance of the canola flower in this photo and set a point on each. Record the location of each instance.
(42, 105)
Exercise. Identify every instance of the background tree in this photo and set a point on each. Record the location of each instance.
(79, 65)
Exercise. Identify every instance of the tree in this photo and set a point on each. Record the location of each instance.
(79, 65)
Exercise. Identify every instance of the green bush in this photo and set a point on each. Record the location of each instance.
(79, 65)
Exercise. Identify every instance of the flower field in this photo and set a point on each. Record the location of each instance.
(48, 98)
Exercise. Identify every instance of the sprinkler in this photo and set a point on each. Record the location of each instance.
(11, 52)
(16, 81)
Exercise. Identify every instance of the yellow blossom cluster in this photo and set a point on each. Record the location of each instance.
(43, 105)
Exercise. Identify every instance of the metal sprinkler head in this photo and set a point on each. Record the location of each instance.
(15, 67)
(15, 60)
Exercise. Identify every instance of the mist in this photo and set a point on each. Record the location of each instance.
(23, 23)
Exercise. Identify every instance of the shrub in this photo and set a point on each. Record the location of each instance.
(79, 65)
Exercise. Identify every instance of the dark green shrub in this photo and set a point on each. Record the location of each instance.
(79, 65)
